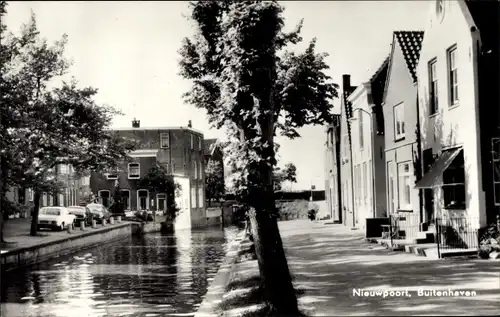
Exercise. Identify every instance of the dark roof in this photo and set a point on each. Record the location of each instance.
(377, 83)
(410, 43)
(347, 104)
(486, 15)
(209, 146)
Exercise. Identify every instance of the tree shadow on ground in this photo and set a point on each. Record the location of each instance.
(327, 268)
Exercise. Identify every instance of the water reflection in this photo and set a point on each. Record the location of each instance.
(154, 275)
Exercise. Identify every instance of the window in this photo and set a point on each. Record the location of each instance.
(200, 196)
(161, 202)
(104, 197)
(192, 141)
(164, 140)
(112, 175)
(31, 195)
(195, 170)
(63, 169)
(193, 198)
(365, 182)
(85, 181)
(495, 144)
(454, 184)
(142, 199)
(125, 198)
(433, 88)
(399, 121)
(201, 170)
(173, 168)
(44, 199)
(50, 201)
(134, 170)
(361, 136)
(453, 72)
(200, 143)
(404, 183)
(346, 146)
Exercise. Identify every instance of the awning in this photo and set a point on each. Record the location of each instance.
(433, 177)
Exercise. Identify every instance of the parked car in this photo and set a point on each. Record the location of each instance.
(81, 213)
(99, 212)
(55, 218)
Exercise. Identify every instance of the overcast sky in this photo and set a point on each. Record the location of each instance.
(128, 50)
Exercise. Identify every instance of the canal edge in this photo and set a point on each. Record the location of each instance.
(217, 288)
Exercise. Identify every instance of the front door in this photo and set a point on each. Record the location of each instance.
(429, 205)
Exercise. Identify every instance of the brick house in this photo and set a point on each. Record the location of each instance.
(401, 125)
(459, 110)
(180, 150)
(332, 165)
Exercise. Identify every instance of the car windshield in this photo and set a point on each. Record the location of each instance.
(76, 209)
(51, 211)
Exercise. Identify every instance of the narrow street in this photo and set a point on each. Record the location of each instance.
(330, 261)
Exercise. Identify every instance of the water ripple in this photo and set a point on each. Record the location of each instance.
(154, 275)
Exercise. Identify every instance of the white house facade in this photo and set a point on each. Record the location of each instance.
(449, 113)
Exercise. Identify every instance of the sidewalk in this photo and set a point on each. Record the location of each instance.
(17, 234)
(330, 261)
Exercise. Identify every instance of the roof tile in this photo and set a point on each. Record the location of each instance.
(410, 43)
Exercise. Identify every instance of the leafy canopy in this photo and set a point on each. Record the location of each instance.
(44, 126)
(214, 181)
(157, 180)
(249, 83)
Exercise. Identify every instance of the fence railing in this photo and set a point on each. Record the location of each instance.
(404, 225)
(457, 233)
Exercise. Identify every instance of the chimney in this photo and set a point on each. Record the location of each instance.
(136, 123)
(190, 125)
(346, 82)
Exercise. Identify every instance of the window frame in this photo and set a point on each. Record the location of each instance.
(452, 75)
(399, 110)
(433, 87)
(128, 198)
(194, 200)
(165, 136)
(200, 141)
(402, 176)
(192, 140)
(361, 130)
(495, 159)
(195, 166)
(446, 187)
(200, 197)
(138, 201)
(134, 176)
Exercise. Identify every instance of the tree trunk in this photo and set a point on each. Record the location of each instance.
(276, 279)
(34, 213)
(277, 282)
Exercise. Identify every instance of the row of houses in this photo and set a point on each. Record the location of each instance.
(181, 151)
(421, 138)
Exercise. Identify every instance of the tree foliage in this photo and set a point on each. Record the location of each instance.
(42, 124)
(214, 181)
(240, 50)
(287, 174)
(157, 180)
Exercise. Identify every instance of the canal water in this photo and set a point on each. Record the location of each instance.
(153, 275)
